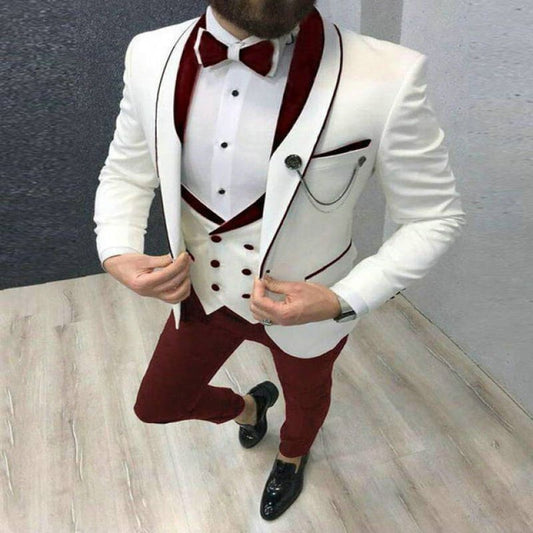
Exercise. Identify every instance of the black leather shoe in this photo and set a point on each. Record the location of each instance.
(265, 395)
(282, 488)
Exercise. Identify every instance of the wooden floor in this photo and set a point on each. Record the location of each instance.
(417, 438)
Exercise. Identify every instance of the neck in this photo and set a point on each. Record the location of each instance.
(236, 31)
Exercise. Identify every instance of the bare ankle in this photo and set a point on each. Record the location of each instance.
(248, 414)
(295, 460)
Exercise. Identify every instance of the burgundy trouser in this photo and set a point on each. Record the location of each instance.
(176, 383)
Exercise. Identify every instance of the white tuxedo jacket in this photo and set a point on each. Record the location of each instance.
(366, 97)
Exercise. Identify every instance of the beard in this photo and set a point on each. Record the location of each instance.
(267, 19)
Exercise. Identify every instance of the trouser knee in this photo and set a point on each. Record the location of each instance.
(156, 414)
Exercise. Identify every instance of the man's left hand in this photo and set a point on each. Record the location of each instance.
(304, 302)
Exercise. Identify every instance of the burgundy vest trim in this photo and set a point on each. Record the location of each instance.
(199, 206)
(304, 66)
(252, 213)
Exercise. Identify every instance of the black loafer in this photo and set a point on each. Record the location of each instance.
(282, 488)
(265, 395)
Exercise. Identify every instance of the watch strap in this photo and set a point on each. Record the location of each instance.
(347, 312)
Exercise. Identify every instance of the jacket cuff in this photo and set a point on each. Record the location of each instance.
(353, 298)
(115, 250)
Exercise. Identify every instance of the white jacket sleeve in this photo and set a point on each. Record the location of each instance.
(117, 250)
(412, 166)
(127, 180)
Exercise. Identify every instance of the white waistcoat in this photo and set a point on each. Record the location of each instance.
(224, 268)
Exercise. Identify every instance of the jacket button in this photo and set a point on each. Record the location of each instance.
(215, 263)
(249, 246)
(246, 271)
(246, 296)
(221, 191)
(216, 238)
(215, 287)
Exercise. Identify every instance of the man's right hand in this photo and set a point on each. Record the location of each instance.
(156, 276)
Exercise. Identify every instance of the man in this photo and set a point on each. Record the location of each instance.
(262, 122)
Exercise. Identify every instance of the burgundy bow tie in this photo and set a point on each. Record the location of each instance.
(258, 56)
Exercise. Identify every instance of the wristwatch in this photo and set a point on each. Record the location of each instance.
(347, 313)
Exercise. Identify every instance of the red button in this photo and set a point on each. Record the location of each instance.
(249, 246)
(246, 271)
(215, 263)
(215, 287)
(216, 238)
(246, 296)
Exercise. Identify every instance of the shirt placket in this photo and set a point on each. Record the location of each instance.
(235, 85)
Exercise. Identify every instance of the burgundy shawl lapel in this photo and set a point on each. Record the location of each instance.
(304, 66)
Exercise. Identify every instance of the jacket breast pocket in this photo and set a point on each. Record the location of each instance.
(350, 147)
(333, 173)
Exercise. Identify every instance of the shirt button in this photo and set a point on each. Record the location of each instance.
(216, 238)
(215, 287)
(215, 263)
(235, 92)
(246, 271)
(224, 144)
(246, 296)
(249, 246)
(221, 191)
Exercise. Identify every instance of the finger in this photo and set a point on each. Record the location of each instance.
(178, 267)
(176, 294)
(157, 261)
(258, 290)
(173, 283)
(262, 305)
(181, 285)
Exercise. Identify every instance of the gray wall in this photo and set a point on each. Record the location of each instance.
(480, 82)
(60, 86)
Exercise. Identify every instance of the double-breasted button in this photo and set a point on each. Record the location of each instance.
(224, 144)
(221, 191)
(235, 92)
(249, 246)
(215, 263)
(246, 296)
(215, 287)
(216, 238)
(246, 271)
